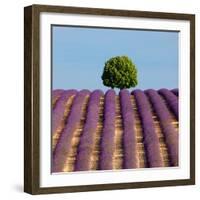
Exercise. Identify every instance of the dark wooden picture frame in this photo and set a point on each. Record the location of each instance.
(32, 98)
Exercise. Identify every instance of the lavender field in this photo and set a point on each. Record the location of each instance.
(92, 130)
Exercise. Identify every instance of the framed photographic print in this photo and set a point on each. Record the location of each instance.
(109, 99)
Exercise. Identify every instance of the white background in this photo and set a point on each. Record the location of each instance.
(11, 100)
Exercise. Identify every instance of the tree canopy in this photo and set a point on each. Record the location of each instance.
(120, 72)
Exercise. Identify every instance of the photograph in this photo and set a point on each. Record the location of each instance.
(109, 99)
(114, 98)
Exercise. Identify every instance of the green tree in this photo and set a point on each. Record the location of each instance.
(119, 72)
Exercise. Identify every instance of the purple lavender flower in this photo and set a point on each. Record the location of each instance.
(129, 135)
(58, 111)
(150, 140)
(55, 96)
(63, 145)
(171, 136)
(175, 91)
(87, 139)
(57, 92)
(172, 100)
(107, 140)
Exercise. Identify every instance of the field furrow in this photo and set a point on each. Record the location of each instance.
(71, 157)
(162, 144)
(118, 149)
(107, 144)
(94, 164)
(139, 135)
(87, 140)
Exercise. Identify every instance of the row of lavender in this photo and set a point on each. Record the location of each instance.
(144, 100)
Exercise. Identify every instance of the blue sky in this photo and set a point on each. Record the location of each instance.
(79, 55)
